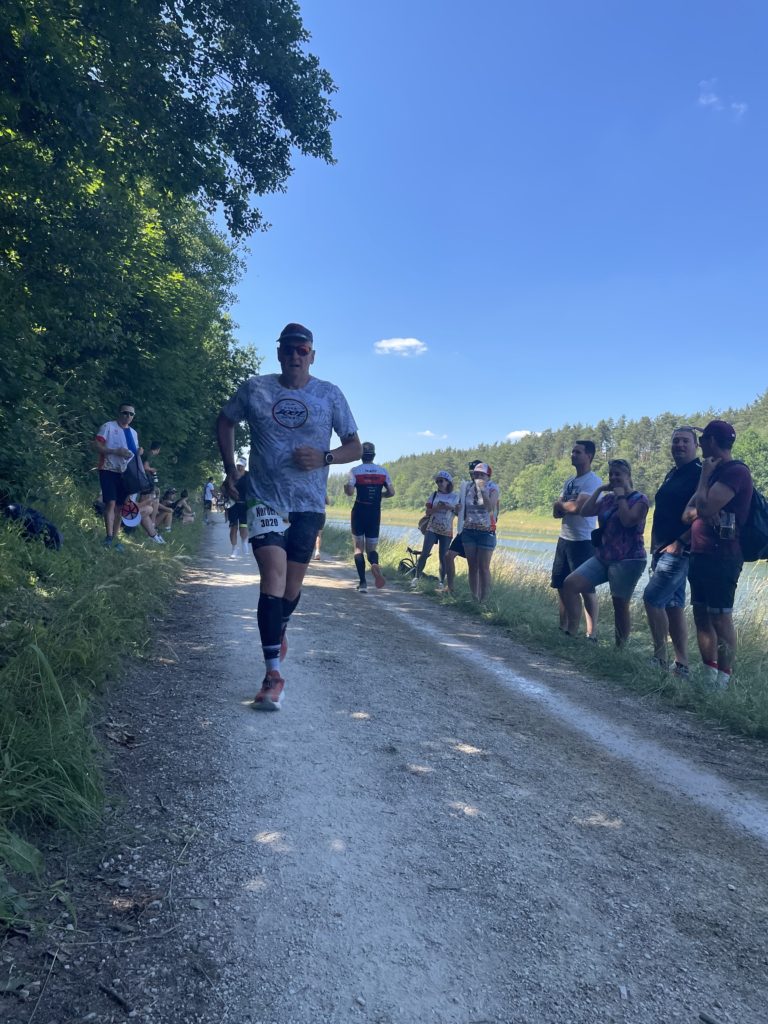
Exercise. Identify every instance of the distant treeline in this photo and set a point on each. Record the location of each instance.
(531, 471)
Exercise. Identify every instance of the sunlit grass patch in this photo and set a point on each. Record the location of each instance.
(68, 618)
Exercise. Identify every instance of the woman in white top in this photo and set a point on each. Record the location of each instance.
(441, 508)
(477, 521)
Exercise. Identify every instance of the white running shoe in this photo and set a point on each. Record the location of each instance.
(234, 553)
(158, 539)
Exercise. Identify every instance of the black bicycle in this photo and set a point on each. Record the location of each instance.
(407, 566)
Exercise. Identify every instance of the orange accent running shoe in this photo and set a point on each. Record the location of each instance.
(378, 576)
(270, 695)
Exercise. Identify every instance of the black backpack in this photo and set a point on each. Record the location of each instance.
(34, 525)
(753, 535)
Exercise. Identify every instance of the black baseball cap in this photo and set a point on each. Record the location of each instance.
(296, 332)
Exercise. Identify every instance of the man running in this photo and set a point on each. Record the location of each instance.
(370, 483)
(237, 513)
(291, 416)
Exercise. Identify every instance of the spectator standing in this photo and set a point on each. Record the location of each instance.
(208, 494)
(664, 596)
(479, 505)
(619, 557)
(717, 511)
(456, 547)
(442, 507)
(117, 443)
(291, 416)
(369, 483)
(574, 545)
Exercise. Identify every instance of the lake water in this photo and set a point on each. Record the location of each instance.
(540, 553)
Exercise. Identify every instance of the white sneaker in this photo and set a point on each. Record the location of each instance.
(158, 539)
(234, 553)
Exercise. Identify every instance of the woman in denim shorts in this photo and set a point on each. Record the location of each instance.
(620, 555)
(479, 509)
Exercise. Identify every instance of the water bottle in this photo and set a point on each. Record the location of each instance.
(727, 525)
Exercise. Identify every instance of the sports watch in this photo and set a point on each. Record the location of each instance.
(328, 456)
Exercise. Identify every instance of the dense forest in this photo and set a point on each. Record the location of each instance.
(531, 471)
(123, 130)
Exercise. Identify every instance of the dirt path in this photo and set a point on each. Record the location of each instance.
(438, 827)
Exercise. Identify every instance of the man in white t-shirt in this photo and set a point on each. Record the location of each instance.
(574, 546)
(291, 416)
(117, 443)
(208, 493)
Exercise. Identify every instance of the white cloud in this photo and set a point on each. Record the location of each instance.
(431, 433)
(709, 97)
(516, 435)
(400, 347)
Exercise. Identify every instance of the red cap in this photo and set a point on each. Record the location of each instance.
(722, 433)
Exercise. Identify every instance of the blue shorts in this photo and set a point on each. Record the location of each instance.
(666, 588)
(479, 538)
(621, 576)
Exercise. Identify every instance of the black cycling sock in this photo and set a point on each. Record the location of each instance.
(373, 557)
(269, 615)
(360, 566)
(289, 607)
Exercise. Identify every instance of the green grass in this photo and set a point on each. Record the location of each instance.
(523, 604)
(68, 618)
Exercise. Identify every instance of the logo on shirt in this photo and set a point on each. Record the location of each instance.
(290, 413)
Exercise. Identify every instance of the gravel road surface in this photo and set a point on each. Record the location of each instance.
(439, 826)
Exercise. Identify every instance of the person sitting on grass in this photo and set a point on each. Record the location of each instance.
(620, 556)
(164, 509)
(182, 510)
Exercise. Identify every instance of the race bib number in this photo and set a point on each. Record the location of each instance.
(263, 519)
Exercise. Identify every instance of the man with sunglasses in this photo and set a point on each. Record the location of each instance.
(291, 416)
(117, 443)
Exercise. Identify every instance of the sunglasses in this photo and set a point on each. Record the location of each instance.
(124, 412)
(299, 350)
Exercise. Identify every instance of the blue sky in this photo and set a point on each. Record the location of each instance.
(563, 206)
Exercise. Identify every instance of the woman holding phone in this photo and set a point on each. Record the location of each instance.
(479, 509)
(620, 555)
